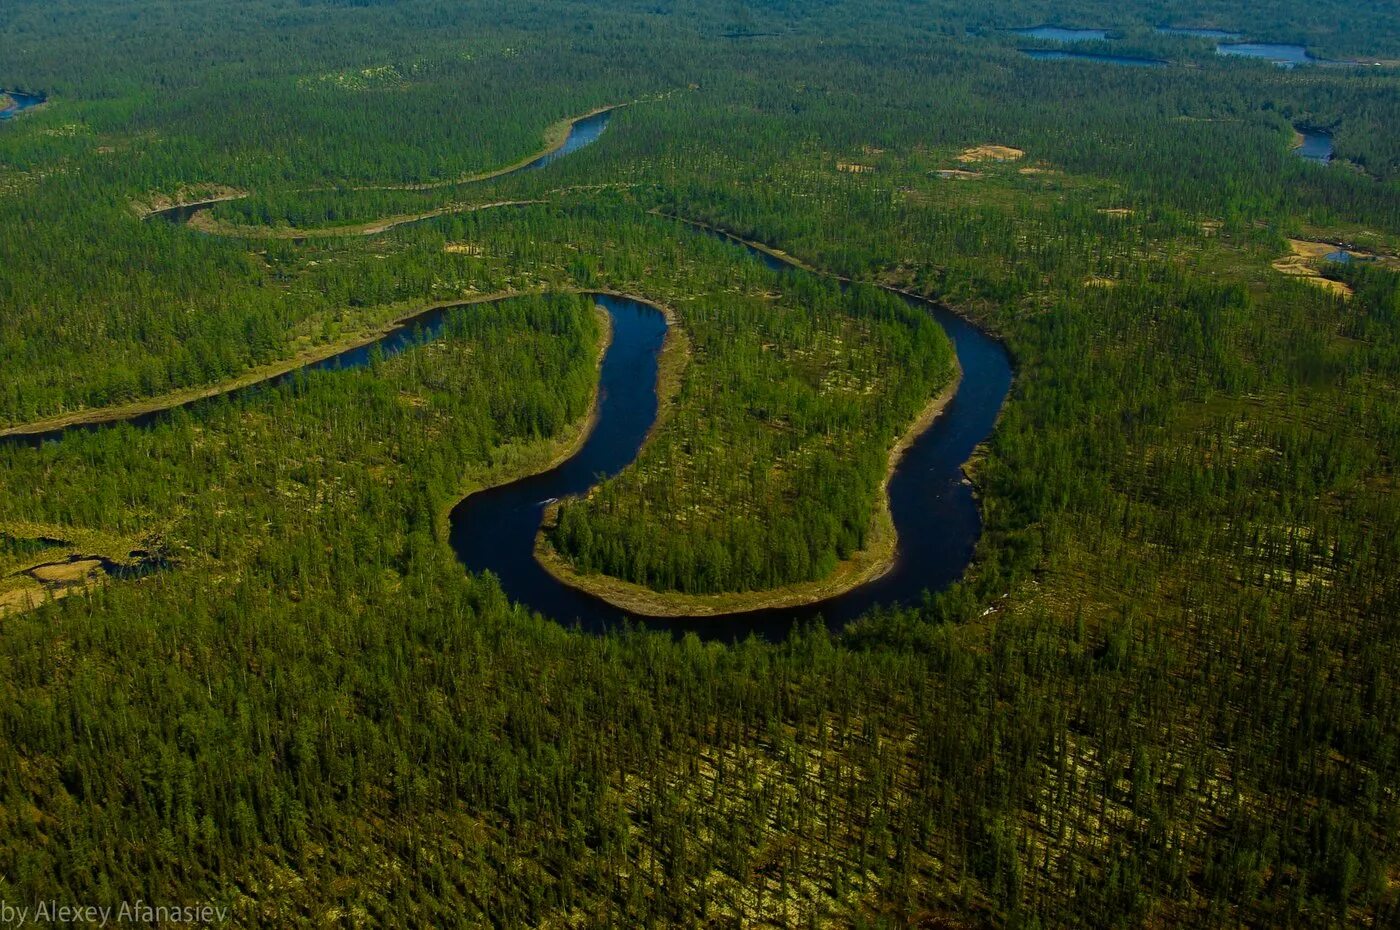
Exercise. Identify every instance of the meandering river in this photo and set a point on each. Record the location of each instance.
(933, 506)
(584, 131)
(410, 333)
(935, 512)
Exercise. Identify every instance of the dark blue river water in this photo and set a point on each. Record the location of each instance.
(1062, 34)
(583, 132)
(1131, 61)
(1285, 56)
(933, 507)
(1316, 145)
(934, 510)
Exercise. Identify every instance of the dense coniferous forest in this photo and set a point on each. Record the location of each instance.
(773, 451)
(240, 663)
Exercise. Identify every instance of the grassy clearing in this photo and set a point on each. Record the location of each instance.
(40, 562)
(1304, 262)
(206, 223)
(989, 152)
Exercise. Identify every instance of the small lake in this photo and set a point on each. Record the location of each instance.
(1285, 56)
(1128, 61)
(22, 102)
(1062, 34)
(1316, 145)
(1192, 31)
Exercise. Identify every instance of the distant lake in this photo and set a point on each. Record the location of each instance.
(1061, 34)
(1046, 54)
(1285, 56)
(1199, 33)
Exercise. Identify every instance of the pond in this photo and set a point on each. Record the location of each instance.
(20, 101)
(1062, 34)
(1199, 33)
(1130, 61)
(1285, 56)
(1315, 145)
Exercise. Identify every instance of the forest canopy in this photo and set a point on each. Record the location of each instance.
(240, 661)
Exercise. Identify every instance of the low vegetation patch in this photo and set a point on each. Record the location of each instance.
(1305, 261)
(990, 152)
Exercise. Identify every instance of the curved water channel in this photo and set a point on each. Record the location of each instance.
(1056, 54)
(934, 510)
(933, 507)
(412, 332)
(1314, 144)
(494, 530)
(583, 131)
